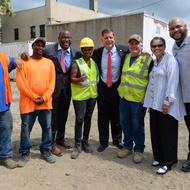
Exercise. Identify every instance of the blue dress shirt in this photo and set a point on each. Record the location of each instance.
(116, 65)
(68, 57)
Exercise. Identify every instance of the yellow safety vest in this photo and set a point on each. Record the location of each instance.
(134, 78)
(88, 88)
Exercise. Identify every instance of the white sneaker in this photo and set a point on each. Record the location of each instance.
(162, 170)
(155, 163)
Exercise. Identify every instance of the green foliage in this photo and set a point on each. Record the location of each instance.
(5, 8)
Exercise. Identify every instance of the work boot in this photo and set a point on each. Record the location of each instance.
(138, 157)
(76, 152)
(47, 156)
(9, 163)
(124, 153)
(23, 160)
(86, 147)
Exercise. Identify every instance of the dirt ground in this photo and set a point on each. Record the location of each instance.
(96, 171)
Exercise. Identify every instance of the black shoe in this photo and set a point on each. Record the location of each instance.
(86, 147)
(186, 166)
(101, 148)
(118, 144)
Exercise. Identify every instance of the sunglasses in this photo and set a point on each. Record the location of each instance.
(159, 45)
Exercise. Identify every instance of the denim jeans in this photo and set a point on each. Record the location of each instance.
(6, 126)
(83, 112)
(132, 122)
(28, 120)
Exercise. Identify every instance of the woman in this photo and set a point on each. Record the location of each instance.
(84, 79)
(163, 97)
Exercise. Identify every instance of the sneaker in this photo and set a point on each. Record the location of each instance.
(47, 156)
(138, 157)
(23, 160)
(9, 163)
(86, 147)
(75, 152)
(163, 170)
(155, 163)
(124, 153)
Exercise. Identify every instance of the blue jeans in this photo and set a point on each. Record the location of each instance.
(6, 126)
(132, 122)
(28, 120)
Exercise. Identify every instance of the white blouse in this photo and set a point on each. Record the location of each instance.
(164, 82)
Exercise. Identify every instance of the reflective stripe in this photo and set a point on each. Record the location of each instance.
(82, 67)
(133, 85)
(83, 71)
(144, 65)
(87, 83)
(137, 75)
(140, 76)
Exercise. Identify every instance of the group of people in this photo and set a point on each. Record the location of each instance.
(124, 80)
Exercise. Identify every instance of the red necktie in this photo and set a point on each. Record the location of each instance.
(63, 61)
(109, 71)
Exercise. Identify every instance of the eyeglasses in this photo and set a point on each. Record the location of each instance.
(158, 45)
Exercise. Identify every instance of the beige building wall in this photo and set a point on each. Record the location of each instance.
(123, 27)
(52, 12)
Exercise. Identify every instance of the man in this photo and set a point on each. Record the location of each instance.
(181, 50)
(134, 80)
(62, 55)
(7, 64)
(36, 83)
(108, 99)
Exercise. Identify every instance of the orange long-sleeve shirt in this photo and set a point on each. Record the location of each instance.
(35, 78)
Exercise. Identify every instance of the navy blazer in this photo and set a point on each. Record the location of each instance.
(62, 79)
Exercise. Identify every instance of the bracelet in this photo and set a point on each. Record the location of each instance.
(167, 103)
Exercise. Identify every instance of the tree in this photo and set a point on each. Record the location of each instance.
(5, 7)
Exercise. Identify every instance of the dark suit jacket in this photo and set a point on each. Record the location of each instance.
(103, 91)
(62, 79)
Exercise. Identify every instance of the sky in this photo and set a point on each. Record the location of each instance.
(161, 9)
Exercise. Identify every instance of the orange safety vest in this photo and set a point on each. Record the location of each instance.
(4, 59)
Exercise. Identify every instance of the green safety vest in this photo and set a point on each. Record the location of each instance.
(88, 88)
(134, 78)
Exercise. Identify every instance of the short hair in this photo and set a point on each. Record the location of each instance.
(62, 32)
(107, 30)
(158, 38)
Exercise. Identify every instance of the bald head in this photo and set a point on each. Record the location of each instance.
(175, 20)
(177, 29)
(65, 39)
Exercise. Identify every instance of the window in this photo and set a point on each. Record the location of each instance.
(42, 30)
(16, 33)
(157, 30)
(32, 32)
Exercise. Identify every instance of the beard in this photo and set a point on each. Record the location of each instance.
(183, 35)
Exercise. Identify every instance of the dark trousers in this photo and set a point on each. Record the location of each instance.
(59, 117)
(83, 113)
(108, 111)
(164, 137)
(187, 121)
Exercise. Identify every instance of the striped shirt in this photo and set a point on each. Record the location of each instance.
(164, 82)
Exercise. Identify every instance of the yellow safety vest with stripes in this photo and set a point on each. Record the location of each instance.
(88, 88)
(134, 78)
